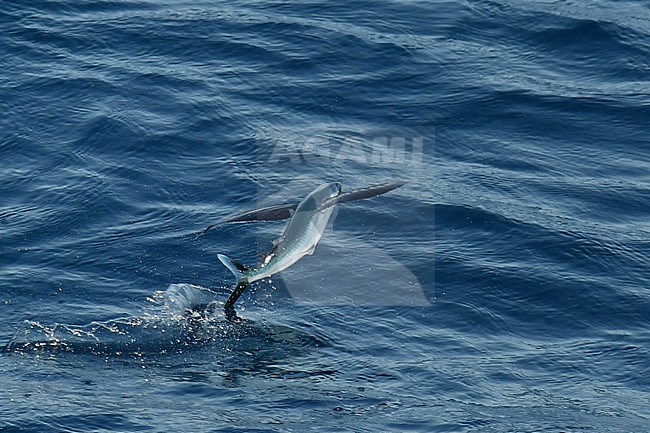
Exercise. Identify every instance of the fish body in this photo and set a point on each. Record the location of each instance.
(302, 233)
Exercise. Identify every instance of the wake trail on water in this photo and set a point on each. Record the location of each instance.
(179, 320)
(173, 323)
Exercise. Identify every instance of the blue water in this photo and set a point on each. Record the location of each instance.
(504, 288)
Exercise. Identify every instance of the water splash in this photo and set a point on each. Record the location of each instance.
(180, 319)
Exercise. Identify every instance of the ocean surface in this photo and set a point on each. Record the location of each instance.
(504, 288)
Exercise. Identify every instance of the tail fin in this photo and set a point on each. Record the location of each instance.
(238, 270)
(233, 266)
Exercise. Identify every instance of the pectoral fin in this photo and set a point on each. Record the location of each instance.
(286, 211)
(362, 194)
(272, 213)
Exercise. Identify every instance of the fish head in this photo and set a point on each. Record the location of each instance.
(327, 191)
(320, 195)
